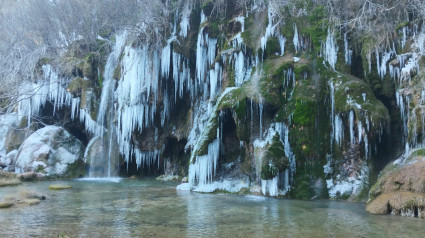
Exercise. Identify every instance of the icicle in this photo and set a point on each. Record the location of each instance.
(239, 68)
(330, 49)
(282, 41)
(260, 106)
(332, 92)
(270, 186)
(270, 29)
(360, 130)
(215, 76)
(166, 60)
(75, 107)
(339, 130)
(296, 40)
(204, 168)
(403, 41)
(185, 19)
(351, 122)
(348, 52)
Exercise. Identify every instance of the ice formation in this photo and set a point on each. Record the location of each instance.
(330, 49)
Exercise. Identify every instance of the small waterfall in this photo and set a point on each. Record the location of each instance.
(105, 119)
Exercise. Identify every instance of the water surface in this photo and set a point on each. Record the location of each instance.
(145, 208)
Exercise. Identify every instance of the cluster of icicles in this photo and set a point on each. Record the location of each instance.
(136, 99)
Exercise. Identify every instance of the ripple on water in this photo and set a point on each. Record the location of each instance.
(104, 179)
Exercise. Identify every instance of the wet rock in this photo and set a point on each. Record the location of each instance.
(168, 177)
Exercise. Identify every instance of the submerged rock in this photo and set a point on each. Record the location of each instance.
(59, 187)
(49, 151)
(168, 177)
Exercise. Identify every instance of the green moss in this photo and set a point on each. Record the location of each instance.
(273, 47)
(303, 191)
(213, 29)
(76, 169)
(274, 161)
(303, 113)
(349, 95)
(210, 136)
(117, 73)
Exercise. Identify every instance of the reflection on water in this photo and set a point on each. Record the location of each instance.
(134, 208)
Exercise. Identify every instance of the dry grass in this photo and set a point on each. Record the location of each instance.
(9, 182)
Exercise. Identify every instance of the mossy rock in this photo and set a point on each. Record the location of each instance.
(59, 187)
(272, 47)
(6, 205)
(303, 191)
(78, 86)
(76, 170)
(274, 161)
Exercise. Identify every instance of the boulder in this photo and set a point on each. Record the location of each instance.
(400, 188)
(49, 151)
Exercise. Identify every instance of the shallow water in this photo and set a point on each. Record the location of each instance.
(145, 208)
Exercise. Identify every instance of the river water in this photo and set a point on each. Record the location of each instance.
(146, 208)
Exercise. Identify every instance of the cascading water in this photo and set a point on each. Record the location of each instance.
(105, 120)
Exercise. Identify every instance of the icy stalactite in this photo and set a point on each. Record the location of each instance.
(270, 186)
(351, 125)
(146, 158)
(360, 131)
(176, 73)
(296, 40)
(260, 109)
(240, 69)
(330, 49)
(201, 56)
(348, 52)
(215, 79)
(282, 41)
(338, 130)
(89, 124)
(420, 43)
(185, 19)
(166, 60)
(270, 29)
(205, 56)
(202, 171)
(404, 38)
(75, 107)
(237, 41)
(404, 112)
(332, 95)
(135, 109)
(382, 62)
(369, 60)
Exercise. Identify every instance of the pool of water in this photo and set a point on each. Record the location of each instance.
(146, 208)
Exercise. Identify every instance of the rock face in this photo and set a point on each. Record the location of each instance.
(400, 189)
(49, 150)
(238, 99)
